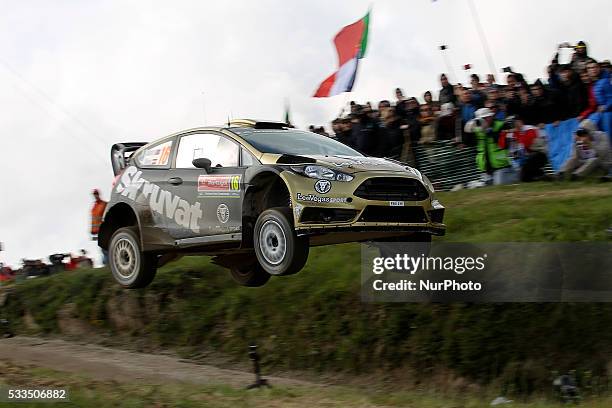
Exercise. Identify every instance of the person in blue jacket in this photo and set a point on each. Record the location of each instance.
(602, 89)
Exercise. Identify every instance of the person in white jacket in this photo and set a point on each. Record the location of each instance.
(591, 152)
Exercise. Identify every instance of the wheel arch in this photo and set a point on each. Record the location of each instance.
(264, 189)
(118, 216)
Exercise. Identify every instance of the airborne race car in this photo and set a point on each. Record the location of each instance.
(256, 196)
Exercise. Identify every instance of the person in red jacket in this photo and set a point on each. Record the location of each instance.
(527, 149)
(97, 211)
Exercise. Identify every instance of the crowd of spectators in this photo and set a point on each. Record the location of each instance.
(505, 123)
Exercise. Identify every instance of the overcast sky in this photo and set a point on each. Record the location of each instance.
(76, 77)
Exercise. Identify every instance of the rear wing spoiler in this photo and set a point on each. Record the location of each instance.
(121, 154)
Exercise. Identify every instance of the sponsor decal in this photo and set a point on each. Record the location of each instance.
(350, 162)
(227, 185)
(160, 201)
(158, 155)
(226, 228)
(322, 186)
(222, 213)
(396, 203)
(318, 199)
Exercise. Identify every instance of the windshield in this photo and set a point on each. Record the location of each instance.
(295, 142)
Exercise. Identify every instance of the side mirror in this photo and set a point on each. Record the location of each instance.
(202, 163)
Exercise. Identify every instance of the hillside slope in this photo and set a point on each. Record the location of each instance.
(316, 321)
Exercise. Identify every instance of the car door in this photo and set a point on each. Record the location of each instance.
(151, 176)
(215, 196)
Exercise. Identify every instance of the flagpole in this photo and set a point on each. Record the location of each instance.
(483, 38)
(449, 66)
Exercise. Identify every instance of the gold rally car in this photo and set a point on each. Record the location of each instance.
(256, 196)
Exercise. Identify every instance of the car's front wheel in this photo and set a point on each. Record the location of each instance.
(131, 267)
(278, 248)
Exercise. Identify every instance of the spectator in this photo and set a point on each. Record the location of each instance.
(512, 101)
(433, 105)
(466, 107)
(363, 130)
(494, 102)
(526, 148)
(573, 94)
(383, 104)
(411, 118)
(478, 97)
(491, 82)
(541, 108)
(591, 152)
(97, 211)
(392, 134)
(580, 58)
(525, 100)
(602, 93)
(344, 134)
(591, 106)
(426, 121)
(401, 105)
(447, 93)
(448, 125)
(491, 158)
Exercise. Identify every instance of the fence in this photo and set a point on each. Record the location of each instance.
(447, 165)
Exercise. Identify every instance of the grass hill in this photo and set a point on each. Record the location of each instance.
(315, 320)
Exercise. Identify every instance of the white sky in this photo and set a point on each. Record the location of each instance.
(76, 77)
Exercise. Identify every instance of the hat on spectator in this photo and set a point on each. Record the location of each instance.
(483, 113)
(588, 125)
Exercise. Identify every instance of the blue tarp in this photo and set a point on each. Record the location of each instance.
(560, 142)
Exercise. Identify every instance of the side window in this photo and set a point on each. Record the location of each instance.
(157, 155)
(246, 158)
(221, 151)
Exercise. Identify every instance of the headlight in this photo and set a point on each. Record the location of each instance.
(320, 172)
(428, 184)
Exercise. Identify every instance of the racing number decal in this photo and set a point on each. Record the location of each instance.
(235, 183)
(219, 185)
(165, 155)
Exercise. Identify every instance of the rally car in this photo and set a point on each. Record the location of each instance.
(256, 196)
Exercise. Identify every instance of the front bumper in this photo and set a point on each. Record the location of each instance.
(339, 210)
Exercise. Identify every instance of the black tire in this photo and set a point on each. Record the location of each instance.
(417, 244)
(131, 267)
(277, 247)
(252, 275)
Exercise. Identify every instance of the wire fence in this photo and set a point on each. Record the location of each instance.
(447, 164)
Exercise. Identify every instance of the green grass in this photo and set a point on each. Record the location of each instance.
(316, 321)
(85, 392)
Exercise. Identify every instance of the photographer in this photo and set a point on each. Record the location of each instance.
(491, 158)
(591, 152)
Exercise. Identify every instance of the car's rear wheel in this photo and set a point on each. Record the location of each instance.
(252, 275)
(131, 267)
(277, 247)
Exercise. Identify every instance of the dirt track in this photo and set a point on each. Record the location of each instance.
(102, 363)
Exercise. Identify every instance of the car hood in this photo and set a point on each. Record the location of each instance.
(350, 164)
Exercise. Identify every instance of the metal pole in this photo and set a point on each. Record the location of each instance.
(483, 39)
